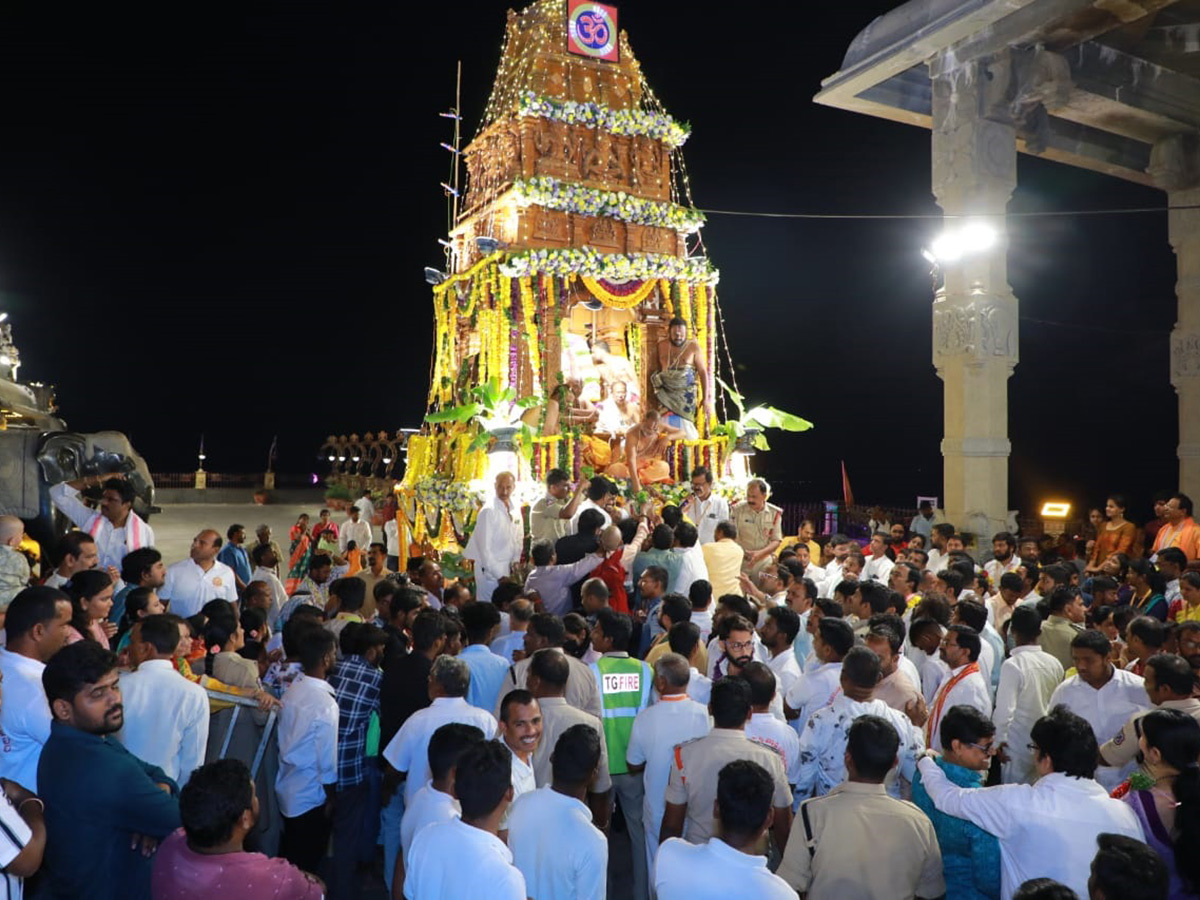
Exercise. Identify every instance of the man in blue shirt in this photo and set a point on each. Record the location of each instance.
(234, 555)
(106, 810)
(482, 623)
(970, 856)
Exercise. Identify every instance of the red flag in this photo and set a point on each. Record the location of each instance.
(847, 494)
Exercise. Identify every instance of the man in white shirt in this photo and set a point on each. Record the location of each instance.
(495, 544)
(730, 865)
(166, 716)
(308, 729)
(818, 688)
(356, 529)
(465, 857)
(693, 568)
(822, 744)
(657, 730)
(115, 528)
(766, 728)
(77, 552)
(520, 727)
(550, 831)
(778, 634)
(600, 496)
(878, 566)
(35, 630)
(960, 650)
(1004, 557)
(391, 537)
(925, 639)
(435, 802)
(408, 751)
(1048, 829)
(1027, 682)
(704, 508)
(1102, 694)
(938, 554)
(972, 612)
(265, 562)
(841, 546)
(194, 581)
(1005, 600)
(547, 676)
(366, 508)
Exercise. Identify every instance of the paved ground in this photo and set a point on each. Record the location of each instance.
(177, 524)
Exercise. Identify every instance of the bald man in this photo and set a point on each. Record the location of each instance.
(14, 567)
(495, 544)
(194, 581)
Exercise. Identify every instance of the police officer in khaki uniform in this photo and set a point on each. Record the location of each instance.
(695, 765)
(759, 525)
(1168, 682)
(826, 857)
(550, 518)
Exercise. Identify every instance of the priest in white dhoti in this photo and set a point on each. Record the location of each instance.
(495, 544)
(115, 528)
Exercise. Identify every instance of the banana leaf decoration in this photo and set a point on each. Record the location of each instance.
(757, 419)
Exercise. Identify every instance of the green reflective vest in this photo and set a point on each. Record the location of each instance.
(624, 685)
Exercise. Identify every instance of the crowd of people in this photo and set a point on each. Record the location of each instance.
(725, 707)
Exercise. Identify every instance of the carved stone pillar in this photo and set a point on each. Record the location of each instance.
(1175, 166)
(975, 312)
(1184, 233)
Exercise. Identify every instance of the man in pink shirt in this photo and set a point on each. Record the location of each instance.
(205, 859)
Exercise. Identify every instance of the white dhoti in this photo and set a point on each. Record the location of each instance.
(494, 546)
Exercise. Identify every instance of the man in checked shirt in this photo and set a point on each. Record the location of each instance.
(356, 682)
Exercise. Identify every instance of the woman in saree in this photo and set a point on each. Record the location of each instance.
(1115, 535)
(300, 553)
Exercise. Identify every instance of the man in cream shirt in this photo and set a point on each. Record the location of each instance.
(166, 716)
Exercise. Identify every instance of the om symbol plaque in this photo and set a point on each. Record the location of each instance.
(592, 30)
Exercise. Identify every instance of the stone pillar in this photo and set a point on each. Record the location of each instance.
(1175, 167)
(975, 312)
(1184, 233)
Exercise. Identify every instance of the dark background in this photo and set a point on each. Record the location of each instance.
(214, 218)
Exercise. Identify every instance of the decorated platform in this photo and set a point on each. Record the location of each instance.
(575, 247)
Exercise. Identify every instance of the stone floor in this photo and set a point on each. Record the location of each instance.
(177, 524)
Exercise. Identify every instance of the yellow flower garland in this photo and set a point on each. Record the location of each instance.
(529, 321)
(701, 322)
(665, 287)
(685, 303)
(616, 301)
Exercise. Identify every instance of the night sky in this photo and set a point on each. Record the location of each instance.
(218, 225)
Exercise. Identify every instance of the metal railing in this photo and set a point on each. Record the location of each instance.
(238, 701)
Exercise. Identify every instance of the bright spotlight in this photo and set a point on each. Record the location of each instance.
(978, 236)
(956, 242)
